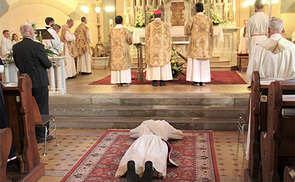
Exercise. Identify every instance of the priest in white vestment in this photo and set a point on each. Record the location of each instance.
(158, 51)
(274, 58)
(243, 45)
(120, 60)
(256, 30)
(199, 28)
(6, 44)
(69, 48)
(82, 42)
(151, 145)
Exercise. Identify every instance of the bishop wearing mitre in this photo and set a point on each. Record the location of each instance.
(158, 51)
(120, 60)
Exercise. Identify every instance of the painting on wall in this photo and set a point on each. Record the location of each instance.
(287, 6)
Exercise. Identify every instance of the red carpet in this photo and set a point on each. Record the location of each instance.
(217, 77)
(194, 154)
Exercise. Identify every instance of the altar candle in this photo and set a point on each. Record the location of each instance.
(147, 2)
(160, 2)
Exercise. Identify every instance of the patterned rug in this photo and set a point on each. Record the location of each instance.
(194, 154)
(217, 77)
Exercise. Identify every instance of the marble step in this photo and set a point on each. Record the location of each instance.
(183, 123)
(147, 111)
(148, 99)
(221, 68)
(223, 62)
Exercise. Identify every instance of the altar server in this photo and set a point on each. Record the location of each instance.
(158, 51)
(256, 30)
(200, 29)
(58, 46)
(243, 45)
(68, 39)
(274, 58)
(49, 42)
(6, 44)
(82, 43)
(150, 151)
(120, 60)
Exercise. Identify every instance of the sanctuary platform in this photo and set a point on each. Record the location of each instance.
(84, 106)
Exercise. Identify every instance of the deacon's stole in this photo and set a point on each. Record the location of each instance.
(71, 44)
(158, 43)
(82, 42)
(200, 29)
(120, 39)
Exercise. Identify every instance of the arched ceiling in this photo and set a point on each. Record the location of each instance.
(67, 6)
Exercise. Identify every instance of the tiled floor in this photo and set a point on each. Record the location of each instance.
(75, 143)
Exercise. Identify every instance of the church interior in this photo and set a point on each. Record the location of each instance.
(89, 110)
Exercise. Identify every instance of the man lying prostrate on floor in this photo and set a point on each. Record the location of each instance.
(149, 154)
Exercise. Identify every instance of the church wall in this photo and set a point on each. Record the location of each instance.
(13, 18)
(37, 13)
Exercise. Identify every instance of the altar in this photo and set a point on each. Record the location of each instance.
(176, 13)
(56, 74)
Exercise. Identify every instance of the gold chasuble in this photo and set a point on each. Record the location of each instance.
(158, 43)
(199, 28)
(120, 39)
(81, 40)
(71, 44)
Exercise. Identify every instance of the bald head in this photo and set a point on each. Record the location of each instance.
(275, 26)
(27, 30)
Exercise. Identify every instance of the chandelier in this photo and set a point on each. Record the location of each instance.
(97, 7)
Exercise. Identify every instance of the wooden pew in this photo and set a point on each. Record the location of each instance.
(18, 101)
(257, 113)
(277, 142)
(5, 145)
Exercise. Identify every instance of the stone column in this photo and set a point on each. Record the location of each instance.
(51, 77)
(58, 74)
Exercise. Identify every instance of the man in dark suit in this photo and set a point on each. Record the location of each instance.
(30, 57)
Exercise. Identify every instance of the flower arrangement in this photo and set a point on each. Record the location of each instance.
(176, 66)
(140, 20)
(215, 16)
(151, 18)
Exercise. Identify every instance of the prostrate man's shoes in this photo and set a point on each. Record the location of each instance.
(131, 175)
(155, 83)
(148, 172)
